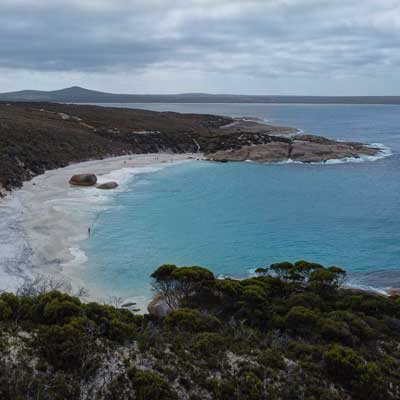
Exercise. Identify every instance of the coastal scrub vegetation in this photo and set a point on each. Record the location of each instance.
(292, 331)
(36, 137)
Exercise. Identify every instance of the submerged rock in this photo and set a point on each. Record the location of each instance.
(108, 185)
(83, 180)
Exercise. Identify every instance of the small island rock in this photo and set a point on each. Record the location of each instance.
(108, 185)
(83, 180)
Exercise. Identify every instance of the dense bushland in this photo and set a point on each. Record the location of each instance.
(291, 332)
(35, 137)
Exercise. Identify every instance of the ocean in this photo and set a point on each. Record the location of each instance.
(235, 217)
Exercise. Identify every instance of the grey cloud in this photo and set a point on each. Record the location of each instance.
(257, 38)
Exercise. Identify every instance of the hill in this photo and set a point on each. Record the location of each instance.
(77, 94)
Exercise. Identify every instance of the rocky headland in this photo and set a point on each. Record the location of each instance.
(300, 148)
(35, 137)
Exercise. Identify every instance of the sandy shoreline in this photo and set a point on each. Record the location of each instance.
(44, 222)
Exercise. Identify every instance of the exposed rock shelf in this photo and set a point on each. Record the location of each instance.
(301, 148)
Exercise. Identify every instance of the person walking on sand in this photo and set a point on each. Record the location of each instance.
(89, 231)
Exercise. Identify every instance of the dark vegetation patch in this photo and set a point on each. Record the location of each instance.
(291, 332)
(35, 137)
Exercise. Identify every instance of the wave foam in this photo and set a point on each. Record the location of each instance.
(383, 152)
(43, 225)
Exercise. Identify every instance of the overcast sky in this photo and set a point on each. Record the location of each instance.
(303, 47)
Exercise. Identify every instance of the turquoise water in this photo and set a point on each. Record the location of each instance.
(235, 217)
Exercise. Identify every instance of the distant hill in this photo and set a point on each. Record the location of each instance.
(77, 94)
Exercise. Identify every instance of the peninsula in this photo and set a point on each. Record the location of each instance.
(35, 137)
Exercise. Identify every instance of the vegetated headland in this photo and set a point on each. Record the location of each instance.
(289, 333)
(35, 137)
(76, 94)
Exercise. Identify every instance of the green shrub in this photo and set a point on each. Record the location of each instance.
(191, 320)
(304, 351)
(60, 312)
(357, 326)
(301, 319)
(335, 331)
(229, 287)
(62, 346)
(250, 387)
(253, 295)
(177, 285)
(308, 300)
(223, 389)
(261, 271)
(349, 368)
(272, 359)
(325, 281)
(282, 269)
(209, 343)
(5, 311)
(148, 385)
(56, 304)
(343, 363)
(10, 307)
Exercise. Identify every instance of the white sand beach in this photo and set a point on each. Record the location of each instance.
(42, 224)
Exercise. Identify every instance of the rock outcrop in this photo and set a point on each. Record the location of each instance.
(270, 152)
(158, 307)
(301, 148)
(83, 180)
(107, 185)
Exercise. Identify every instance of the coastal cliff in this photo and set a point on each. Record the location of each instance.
(35, 137)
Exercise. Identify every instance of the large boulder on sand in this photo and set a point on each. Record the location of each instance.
(108, 185)
(83, 180)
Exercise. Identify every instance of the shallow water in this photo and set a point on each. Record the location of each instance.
(235, 217)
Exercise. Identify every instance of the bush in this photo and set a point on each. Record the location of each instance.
(209, 343)
(250, 387)
(62, 346)
(359, 329)
(301, 319)
(336, 331)
(272, 359)
(191, 320)
(325, 281)
(308, 300)
(61, 311)
(282, 269)
(148, 385)
(54, 308)
(5, 311)
(343, 363)
(177, 285)
(349, 368)
(302, 270)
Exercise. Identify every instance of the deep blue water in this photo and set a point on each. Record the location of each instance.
(235, 217)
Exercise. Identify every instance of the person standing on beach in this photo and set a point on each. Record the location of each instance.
(88, 229)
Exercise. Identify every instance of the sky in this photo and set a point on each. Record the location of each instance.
(287, 47)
